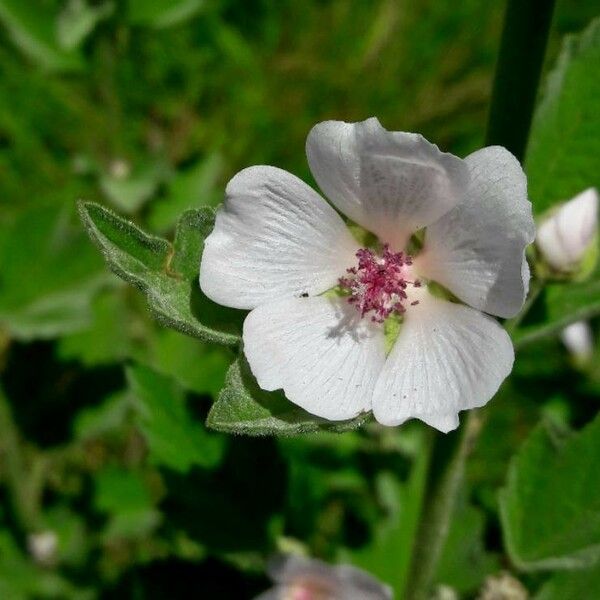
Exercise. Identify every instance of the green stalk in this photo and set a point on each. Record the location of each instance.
(445, 476)
(524, 39)
(19, 476)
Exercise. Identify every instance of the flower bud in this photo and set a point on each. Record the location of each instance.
(578, 340)
(43, 547)
(503, 587)
(565, 238)
(299, 578)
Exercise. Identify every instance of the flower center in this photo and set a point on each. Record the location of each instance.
(378, 284)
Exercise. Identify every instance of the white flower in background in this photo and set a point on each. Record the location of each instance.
(298, 578)
(503, 586)
(277, 246)
(579, 340)
(565, 236)
(43, 547)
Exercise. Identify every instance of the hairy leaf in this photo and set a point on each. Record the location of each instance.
(550, 507)
(167, 273)
(562, 161)
(242, 407)
(564, 145)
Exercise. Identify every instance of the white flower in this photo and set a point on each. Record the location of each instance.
(43, 546)
(565, 236)
(579, 340)
(277, 246)
(299, 578)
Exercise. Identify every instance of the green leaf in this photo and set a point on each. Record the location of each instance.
(78, 19)
(107, 339)
(564, 145)
(32, 28)
(125, 496)
(174, 438)
(192, 188)
(550, 507)
(197, 366)
(578, 585)
(128, 192)
(242, 407)
(166, 273)
(464, 563)
(562, 161)
(98, 421)
(21, 579)
(159, 14)
(48, 274)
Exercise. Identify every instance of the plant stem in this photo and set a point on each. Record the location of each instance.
(524, 38)
(24, 497)
(444, 479)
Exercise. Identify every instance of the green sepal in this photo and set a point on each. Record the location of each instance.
(166, 273)
(243, 408)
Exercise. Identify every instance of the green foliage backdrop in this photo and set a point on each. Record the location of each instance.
(116, 429)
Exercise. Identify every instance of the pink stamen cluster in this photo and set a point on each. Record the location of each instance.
(379, 283)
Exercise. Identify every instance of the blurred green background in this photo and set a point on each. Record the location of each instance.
(111, 487)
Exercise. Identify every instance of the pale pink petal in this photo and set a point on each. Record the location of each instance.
(447, 358)
(391, 183)
(274, 237)
(318, 350)
(477, 250)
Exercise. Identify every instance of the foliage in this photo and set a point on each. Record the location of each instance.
(563, 533)
(121, 121)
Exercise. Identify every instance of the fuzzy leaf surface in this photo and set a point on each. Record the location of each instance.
(166, 273)
(243, 408)
(561, 162)
(550, 507)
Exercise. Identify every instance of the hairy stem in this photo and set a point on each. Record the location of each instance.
(524, 38)
(444, 480)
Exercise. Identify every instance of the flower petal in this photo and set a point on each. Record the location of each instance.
(448, 357)
(274, 237)
(478, 249)
(564, 237)
(392, 183)
(318, 350)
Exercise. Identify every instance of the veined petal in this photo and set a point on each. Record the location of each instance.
(274, 237)
(478, 249)
(447, 358)
(319, 351)
(392, 183)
